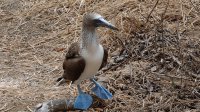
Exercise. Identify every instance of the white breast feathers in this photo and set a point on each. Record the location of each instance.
(93, 59)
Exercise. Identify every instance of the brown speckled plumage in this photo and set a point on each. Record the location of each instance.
(74, 64)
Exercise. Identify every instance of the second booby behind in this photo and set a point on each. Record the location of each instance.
(84, 59)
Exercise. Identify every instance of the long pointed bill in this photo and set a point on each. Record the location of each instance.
(107, 24)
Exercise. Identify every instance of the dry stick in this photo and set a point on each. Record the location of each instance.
(151, 11)
(198, 11)
(4, 106)
(29, 109)
(162, 19)
(114, 67)
(162, 16)
(65, 105)
(9, 109)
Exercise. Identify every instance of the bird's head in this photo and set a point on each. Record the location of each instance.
(94, 20)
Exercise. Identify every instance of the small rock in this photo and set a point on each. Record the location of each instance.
(153, 69)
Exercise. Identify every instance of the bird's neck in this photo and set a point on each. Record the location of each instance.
(89, 38)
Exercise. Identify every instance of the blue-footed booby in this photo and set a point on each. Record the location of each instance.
(85, 58)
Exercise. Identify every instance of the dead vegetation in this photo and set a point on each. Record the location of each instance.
(154, 58)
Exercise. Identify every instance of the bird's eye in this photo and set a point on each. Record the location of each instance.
(97, 22)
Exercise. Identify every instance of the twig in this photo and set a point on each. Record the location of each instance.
(3, 107)
(162, 16)
(114, 67)
(195, 7)
(29, 109)
(8, 109)
(151, 11)
(65, 105)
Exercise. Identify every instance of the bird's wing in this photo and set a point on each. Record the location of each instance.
(73, 64)
(73, 51)
(105, 57)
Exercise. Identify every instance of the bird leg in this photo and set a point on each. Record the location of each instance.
(83, 100)
(100, 91)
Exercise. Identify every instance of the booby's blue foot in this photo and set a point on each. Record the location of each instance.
(100, 91)
(83, 100)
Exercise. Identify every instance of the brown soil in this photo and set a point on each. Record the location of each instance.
(154, 60)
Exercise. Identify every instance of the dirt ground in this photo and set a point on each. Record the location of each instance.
(154, 60)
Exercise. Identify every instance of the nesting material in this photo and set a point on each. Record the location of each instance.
(161, 74)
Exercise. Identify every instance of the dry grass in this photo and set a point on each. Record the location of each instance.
(158, 49)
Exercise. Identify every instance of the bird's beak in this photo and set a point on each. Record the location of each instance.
(105, 23)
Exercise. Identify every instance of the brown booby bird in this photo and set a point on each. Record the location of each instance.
(84, 59)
